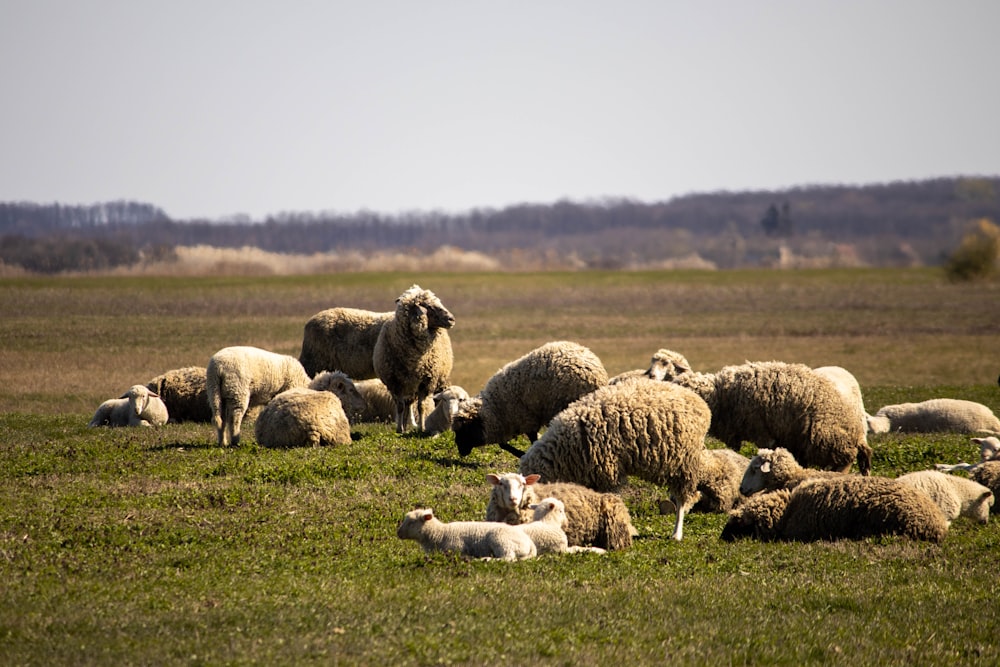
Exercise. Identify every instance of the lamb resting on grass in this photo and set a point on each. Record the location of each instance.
(240, 377)
(136, 407)
(652, 430)
(844, 507)
(475, 539)
(956, 496)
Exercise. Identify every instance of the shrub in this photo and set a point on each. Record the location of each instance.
(976, 255)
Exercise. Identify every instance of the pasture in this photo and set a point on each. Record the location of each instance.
(154, 546)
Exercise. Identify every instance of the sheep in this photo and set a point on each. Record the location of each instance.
(240, 377)
(652, 430)
(413, 355)
(342, 339)
(592, 518)
(849, 388)
(933, 416)
(775, 403)
(446, 405)
(844, 507)
(719, 481)
(525, 394)
(475, 539)
(183, 391)
(309, 417)
(546, 529)
(987, 473)
(956, 496)
(136, 407)
(989, 450)
(772, 469)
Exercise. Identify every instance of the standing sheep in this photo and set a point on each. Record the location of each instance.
(845, 507)
(475, 539)
(240, 377)
(136, 407)
(309, 417)
(787, 405)
(652, 430)
(772, 469)
(183, 391)
(342, 339)
(413, 355)
(592, 518)
(936, 415)
(525, 394)
(956, 496)
(849, 388)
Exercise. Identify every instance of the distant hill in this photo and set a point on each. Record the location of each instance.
(912, 222)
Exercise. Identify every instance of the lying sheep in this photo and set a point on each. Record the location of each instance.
(775, 403)
(183, 391)
(988, 474)
(413, 355)
(342, 339)
(592, 518)
(956, 496)
(525, 394)
(546, 529)
(136, 407)
(240, 377)
(772, 469)
(446, 405)
(936, 415)
(652, 430)
(475, 539)
(844, 507)
(309, 417)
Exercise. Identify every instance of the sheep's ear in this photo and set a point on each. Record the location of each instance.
(493, 479)
(531, 479)
(532, 506)
(125, 395)
(429, 515)
(765, 466)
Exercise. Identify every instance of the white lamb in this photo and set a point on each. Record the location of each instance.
(936, 415)
(546, 529)
(956, 496)
(240, 377)
(136, 407)
(475, 539)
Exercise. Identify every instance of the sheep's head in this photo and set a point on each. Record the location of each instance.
(551, 510)
(138, 397)
(467, 424)
(508, 488)
(667, 364)
(423, 310)
(411, 525)
(758, 517)
(768, 470)
(341, 386)
(981, 506)
(989, 448)
(877, 423)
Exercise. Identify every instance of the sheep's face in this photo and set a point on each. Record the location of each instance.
(666, 365)
(989, 448)
(756, 475)
(424, 310)
(138, 398)
(342, 387)
(980, 507)
(413, 523)
(508, 489)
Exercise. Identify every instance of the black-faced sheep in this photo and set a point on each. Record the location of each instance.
(309, 417)
(240, 377)
(136, 407)
(776, 404)
(475, 539)
(955, 496)
(652, 430)
(844, 507)
(592, 518)
(413, 355)
(342, 339)
(183, 391)
(935, 416)
(525, 394)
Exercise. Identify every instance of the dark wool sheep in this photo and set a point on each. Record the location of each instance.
(413, 355)
(342, 339)
(844, 507)
(652, 430)
(183, 391)
(525, 394)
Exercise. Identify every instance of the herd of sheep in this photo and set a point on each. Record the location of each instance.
(589, 434)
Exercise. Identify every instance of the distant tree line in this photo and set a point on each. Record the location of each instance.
(917, 219)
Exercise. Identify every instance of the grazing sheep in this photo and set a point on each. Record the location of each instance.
(413, 355)
(309, 417)
(956, 496)
(342, 339)
(719, 481)
(136, 407)
(775, 403)
(546, 529)
(652, 430)
(475, 539)
(525, 394)
(240, 377)
(183, 391)
(844, 507)
(773, 469)
(592, 518)
(937, 415)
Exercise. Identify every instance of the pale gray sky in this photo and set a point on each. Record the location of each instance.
(209, 108)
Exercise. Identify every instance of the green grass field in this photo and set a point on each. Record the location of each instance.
(154, 546)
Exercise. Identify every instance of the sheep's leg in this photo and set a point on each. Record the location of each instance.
(402, 408)
(679, 526)
(237, 422)
(421, 417)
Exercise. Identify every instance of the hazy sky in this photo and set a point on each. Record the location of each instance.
(209, 108)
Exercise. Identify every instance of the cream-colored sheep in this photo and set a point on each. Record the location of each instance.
(309, 417)
(475, 539)
(136, 407)
(183, 391)
(342, 339)
(956, 496)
